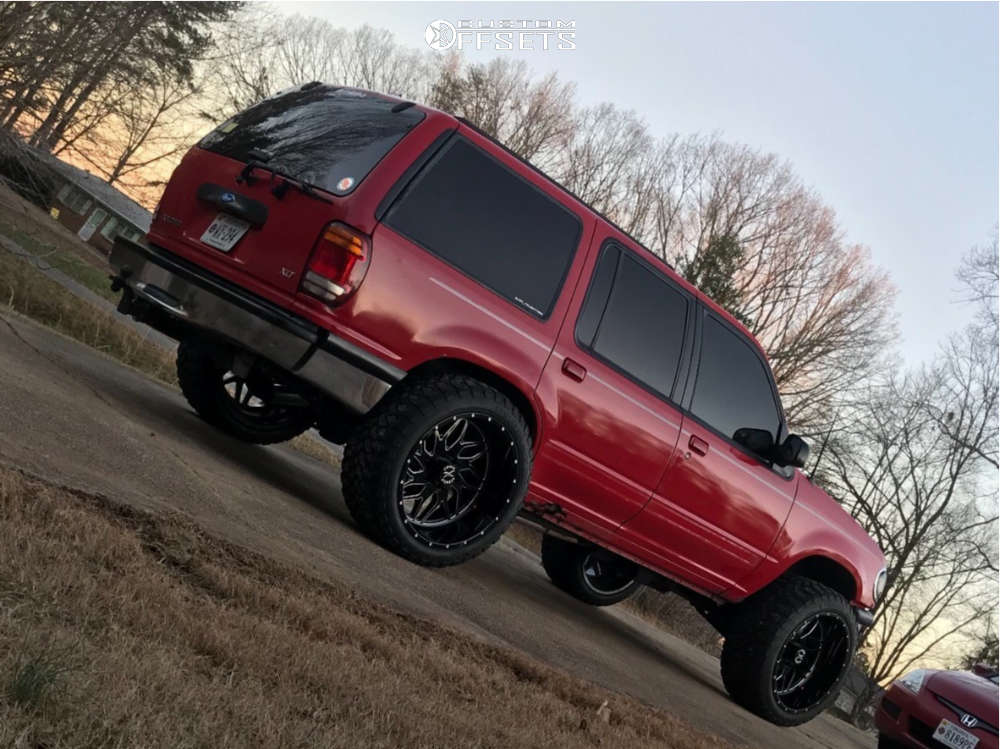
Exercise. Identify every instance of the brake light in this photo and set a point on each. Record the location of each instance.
(338, 264)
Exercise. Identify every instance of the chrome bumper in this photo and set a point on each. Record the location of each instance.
(193, 296)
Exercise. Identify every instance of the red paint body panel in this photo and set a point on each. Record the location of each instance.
(818, 526)
(919, 714)
(600, 483)
(721, 510)
(614, 457)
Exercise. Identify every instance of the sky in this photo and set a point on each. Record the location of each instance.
(889, 111)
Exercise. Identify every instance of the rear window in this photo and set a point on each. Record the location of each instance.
(327, 136)
(491, 224)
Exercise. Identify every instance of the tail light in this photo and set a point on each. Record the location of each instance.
(338, 264)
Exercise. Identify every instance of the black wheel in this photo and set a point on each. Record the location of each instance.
(589, 573)
(438, 470)
(246, 407)
(787, 650)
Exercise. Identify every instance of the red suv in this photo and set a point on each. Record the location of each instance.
(485, 344)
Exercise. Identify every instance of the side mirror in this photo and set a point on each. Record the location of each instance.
(794, 451)
(758, 441)
(983, 669)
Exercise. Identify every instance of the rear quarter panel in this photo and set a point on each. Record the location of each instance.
(414, 308)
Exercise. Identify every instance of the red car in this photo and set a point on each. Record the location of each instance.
(932, 709)
(485, 344)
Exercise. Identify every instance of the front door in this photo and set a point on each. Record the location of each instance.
(716, 512)
(611, 428)
(90, 225)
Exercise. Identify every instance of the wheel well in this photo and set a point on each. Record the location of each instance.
(517, 397)
(825, 570)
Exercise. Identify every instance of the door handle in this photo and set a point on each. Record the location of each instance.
(574, 370)
(698, 445)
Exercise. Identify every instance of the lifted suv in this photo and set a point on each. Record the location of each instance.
(485, 344)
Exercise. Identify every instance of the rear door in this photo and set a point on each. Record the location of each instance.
(611, 426)
(718, 509)
(238, 197)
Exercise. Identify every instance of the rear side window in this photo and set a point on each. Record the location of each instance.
(327, 136)
(491, 224)
(733, 389)
(638, 325)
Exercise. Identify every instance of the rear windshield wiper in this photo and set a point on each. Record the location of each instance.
(280, 189)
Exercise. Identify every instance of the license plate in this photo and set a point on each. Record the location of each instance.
(952, 736)
(224, 232)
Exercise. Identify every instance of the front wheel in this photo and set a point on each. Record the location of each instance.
(438, 470)
(588, 573)
(787, 650)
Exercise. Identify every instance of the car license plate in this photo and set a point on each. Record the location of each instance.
(952, 736)
(224, 232)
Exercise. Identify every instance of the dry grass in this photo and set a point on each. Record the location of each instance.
(119, 628)
(316, 447)
(40, 234)
(27, 290)
(24, 289)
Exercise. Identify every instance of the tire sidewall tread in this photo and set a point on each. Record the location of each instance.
(374, 456)
(198, 377)
(757, 631)
(563, 563)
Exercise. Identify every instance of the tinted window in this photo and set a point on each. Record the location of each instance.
(490, 224)
(733, 389)
(597, 295)
(642, 328)
(318, 134)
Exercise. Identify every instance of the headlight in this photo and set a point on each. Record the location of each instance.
(914, 680)
(880, 581)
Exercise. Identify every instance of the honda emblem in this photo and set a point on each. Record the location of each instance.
(969, 721)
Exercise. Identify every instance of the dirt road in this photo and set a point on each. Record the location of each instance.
(73, 416)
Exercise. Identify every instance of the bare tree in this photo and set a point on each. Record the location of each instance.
(60, 57)
(264, 53)
(504, 99)
(916, 465)
(601, 156)
(816, 303)
(978, 276)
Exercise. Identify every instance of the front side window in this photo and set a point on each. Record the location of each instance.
(733, 388)
(638, 324)
(494, 226)
(326, 136)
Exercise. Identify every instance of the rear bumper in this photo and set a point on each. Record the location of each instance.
(189, 296)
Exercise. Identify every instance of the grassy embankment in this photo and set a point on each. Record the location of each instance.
(25, 289)
(120, 628)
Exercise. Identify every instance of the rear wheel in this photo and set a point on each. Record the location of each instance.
(589, 573)
(438, 470)
(253, 406)
(787, 650)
